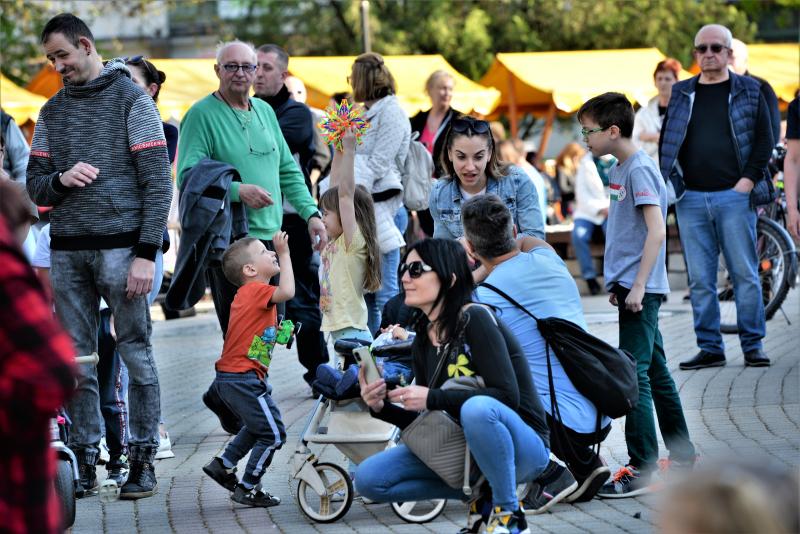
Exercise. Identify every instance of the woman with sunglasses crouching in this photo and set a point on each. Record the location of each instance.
(472, 167)
(503, 422)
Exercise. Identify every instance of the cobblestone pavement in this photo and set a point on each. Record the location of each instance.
(753, 412)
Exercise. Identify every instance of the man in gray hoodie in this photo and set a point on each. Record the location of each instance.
(99, 157)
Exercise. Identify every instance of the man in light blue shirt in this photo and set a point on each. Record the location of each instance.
(533, 274)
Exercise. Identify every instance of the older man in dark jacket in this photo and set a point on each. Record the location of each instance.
(715, 144)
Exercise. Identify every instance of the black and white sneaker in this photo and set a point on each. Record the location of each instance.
(627, 482)
(117, 470)
(551, 487)
(88, 480)
(589, 486)
(220, 474)
(254, 497)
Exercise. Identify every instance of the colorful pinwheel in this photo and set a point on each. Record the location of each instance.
(338, 119)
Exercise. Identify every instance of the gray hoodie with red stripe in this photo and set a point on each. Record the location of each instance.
(111, 124)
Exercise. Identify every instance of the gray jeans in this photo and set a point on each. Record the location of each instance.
(79, 279)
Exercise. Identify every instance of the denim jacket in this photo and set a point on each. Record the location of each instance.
(515, 189)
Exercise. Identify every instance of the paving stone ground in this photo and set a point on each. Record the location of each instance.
(733, 411)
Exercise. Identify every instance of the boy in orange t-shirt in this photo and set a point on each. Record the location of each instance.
(241, 381)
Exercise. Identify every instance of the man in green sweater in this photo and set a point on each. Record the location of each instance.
(231, 127)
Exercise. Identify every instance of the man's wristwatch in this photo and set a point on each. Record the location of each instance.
(316, 214)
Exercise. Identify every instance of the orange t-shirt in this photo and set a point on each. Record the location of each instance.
(250, 328)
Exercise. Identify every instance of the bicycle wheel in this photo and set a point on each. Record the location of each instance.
(775, 266)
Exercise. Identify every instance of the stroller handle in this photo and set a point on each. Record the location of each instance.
(91, 359)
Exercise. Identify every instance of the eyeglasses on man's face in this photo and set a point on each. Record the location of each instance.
(246, 68)
(715, 48)
(415, 269)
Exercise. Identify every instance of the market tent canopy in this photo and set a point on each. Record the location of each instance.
(189, 80)
(19, 103)
(534, 81)
(324, 76)
(779, 64)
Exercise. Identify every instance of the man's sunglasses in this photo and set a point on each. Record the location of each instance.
(703, 48)
(465, 125)
(233, 67)
(415, 269)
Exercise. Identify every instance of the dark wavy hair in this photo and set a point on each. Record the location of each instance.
(449, 261)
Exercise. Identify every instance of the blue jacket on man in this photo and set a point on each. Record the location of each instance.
(750, 129)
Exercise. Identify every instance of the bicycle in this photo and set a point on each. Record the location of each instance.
(777, 257)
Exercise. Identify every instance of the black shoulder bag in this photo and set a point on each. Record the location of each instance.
(604, 374)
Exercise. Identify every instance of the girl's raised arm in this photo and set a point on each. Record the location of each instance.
(344, 176)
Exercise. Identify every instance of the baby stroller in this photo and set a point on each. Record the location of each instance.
(67, 481)
(324, 489)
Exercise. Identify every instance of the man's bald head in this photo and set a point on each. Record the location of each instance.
(739, 57)
(235, 47)
(714, 30)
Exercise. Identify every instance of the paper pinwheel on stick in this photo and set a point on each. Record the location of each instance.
(338, 119)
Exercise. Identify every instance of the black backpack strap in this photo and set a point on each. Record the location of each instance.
(509, 299)
(554, 409)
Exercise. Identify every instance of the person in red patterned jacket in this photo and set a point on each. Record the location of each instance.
(37, 375)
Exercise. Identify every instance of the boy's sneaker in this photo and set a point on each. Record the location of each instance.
(141, 482)
(88, 479)
(254, 497)
(164, 447)
(117, 471)
(669, 468)
(220, 474)
(589, 486)
(627, 482)
(505, 522)
(551, 487)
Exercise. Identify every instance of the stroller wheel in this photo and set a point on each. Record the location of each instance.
(337, 499)
(419, 511)
(65, 489)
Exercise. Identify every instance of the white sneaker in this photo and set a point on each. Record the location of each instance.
(164, 447)
(104, 457)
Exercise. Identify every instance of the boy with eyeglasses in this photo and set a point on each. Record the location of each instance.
(636, 276)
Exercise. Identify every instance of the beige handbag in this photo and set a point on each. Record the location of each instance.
(438, 440)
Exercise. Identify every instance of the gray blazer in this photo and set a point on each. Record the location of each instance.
(209, 223)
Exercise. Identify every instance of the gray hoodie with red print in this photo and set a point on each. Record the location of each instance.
(111, 124)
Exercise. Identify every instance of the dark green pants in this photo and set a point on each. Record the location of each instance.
(639, 335)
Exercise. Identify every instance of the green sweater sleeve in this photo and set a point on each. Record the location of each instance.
(293, 184)
(194, 142)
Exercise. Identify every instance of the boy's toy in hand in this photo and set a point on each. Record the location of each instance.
(261, 347)
(338, 119)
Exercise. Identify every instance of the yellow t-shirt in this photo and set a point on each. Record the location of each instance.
(341, 283)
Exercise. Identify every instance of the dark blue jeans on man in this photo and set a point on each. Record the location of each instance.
(714, 222)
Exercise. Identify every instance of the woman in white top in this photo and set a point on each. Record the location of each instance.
(377, 167)
(647, 124)
(591, 212)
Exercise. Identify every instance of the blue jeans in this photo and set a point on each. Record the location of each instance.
(581, 241)
(263, 432)
(112, 375)
(390, 283)
(505, 448)
(710, 223)
(79, 279)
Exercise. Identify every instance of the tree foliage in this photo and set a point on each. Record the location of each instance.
(469, 32)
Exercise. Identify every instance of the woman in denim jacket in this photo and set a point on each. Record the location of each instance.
(472, 167)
